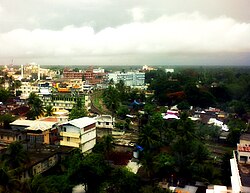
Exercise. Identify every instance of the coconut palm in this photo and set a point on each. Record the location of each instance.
(48, 110)
(15, 156)
(148, 137)
(36, 106)
(8, 184)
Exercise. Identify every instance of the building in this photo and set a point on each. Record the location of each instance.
(79, 133)
(70, 74)
(95, 76)
(104, 125)
(129, 78)
(26, 88)
(63, 100)
(37, 131)
(8, 136)
(147, 68)
(42, 158)
(240, 166)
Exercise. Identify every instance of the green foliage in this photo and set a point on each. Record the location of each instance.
(236, 127)
(122, 111)
(148, 137)
(76, 113)
(15, 156)
(8, 182)
(184, 105)
(105, 146)
(121, 181)
(6, 119)
(153, 189)
(78, 110)
(4, 95)
(48, 110)
(111, 98)
(36, 106)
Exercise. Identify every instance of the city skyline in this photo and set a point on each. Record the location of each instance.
(125, 32)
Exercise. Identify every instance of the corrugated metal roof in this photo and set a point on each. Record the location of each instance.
(81, 122)
(34, 124)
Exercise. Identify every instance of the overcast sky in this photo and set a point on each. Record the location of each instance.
(99, 32)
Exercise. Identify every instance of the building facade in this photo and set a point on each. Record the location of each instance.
(240, 166)
(129, 78)
(80, 133)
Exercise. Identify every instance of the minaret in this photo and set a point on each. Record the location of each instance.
(38, 72)
(21, 71)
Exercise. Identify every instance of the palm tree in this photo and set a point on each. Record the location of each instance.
(15, 156)
(36, 106)
(148, 137)
(8, 184)
(48, 110)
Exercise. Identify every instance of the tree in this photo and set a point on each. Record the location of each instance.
(121, 181)
(4, 95)
(111, 98)
(6, 119)
(15, 156)
(48, 110)
(105, 146)
(36, 106)
(8, 183)
(78, 110)
(148, 137)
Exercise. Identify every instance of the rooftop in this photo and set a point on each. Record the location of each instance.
(34, 124)
(245, 136)
(244, 170)
(81, 122)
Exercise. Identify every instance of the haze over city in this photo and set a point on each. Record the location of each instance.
(109, 32)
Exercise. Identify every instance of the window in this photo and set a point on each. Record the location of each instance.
(107, 123)
(99, 123)
(68, 138)
(1, 137)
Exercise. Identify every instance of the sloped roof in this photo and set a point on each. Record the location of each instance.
(81, 122)
(41, 125)
(34, 124)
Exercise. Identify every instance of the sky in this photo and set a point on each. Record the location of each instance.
(125, 32)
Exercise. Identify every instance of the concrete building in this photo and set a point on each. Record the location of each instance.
(104, 125)
(95, 76)
(70, 74)
(27, 87)
(240, 166)
(37, 131)
(80, 133)
(129, 78)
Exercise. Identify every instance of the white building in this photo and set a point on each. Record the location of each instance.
(105, 125)
(170, 70)
(129, 78)
(26, 88)
(240, 166)
(79, 133)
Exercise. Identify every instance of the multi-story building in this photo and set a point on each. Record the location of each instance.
(63, 100)
(27, 87)
(70, 74)
(240, 166)
(80, 133)
(95, 76)
(104, 125)
(129, 78)
(37, 131)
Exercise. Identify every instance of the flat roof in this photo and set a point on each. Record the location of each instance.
(245, 136)
(81, 122)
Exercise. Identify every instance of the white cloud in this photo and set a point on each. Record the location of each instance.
(180, 33)
(137, 13)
